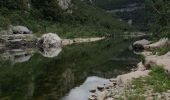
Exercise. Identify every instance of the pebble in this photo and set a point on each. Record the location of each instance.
(92, 98)
(159, 96)
(92, 91)
(113, 80)
(100, 88)
(149, 98)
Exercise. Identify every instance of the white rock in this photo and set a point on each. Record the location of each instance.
(126, 78)
(20, 30)
(51, 52)
(141, 67)
(142, 42)
(64, 4)
(160, 43)
(50, 40)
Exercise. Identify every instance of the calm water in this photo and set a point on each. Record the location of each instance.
(31, 75)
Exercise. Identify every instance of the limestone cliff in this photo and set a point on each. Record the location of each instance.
(64, 4)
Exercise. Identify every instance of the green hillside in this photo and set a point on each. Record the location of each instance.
(46, 16)
(114, 4)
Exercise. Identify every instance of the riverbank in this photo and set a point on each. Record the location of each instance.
(149, 81)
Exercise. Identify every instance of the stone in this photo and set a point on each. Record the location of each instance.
(92, 98)
(100, 88)
(19, 30)
(168, 91)
(149, 98)
(158, 44)
(142, 42)
(138, 46)
(64, 4)
(50, 52)
(112, 80)
(93, 95)
(92, 90)
(50, 40)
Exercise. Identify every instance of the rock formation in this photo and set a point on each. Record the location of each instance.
(19, 30)
(138, 46)
(64, 4)
(50, 40)
(163, 61)
(158, 44)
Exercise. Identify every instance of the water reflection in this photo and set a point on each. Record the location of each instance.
(82, 92)
(41, 78)
(20, 55)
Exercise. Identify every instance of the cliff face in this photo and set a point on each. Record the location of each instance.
(64, 4)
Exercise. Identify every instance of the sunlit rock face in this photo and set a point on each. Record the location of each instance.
(82, 92)
(64, 4)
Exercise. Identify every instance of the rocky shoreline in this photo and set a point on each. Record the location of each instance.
(118, 87)
(18, 44)
(21, 36)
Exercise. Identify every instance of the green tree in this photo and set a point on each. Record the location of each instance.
(14, 4)
(159, 13)
(48, 8)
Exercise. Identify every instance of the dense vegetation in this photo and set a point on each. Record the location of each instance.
(114, 4)
(157, 82)
(47, 16)
(158, 12)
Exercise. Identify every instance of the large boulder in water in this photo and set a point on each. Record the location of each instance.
(19, 30)
(50, 40)
(50, 45)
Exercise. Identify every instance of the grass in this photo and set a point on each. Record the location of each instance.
(158, 81)
(161, 50)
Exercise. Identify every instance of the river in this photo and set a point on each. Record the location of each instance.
(32, 75)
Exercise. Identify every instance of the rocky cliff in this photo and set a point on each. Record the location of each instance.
(64, 4)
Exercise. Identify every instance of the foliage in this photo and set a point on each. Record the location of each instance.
(161, 50)
(14, 4)
(158, 80)
(158, 12)
(114, 4)
(46, 16)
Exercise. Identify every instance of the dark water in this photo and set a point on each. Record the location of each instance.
(41, 78)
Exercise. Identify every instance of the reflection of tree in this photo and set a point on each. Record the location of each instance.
(30, 88)
(52, 78)
(68, 78)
